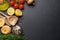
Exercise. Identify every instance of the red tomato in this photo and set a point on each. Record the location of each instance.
(22, 2)
(16, 6)
(21, 6)
(12, 3)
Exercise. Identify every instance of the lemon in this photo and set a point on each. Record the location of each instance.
(10, 11)
(2, 22)
(5, 29)
(18, 12)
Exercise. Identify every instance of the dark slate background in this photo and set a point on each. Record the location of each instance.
(42, 22)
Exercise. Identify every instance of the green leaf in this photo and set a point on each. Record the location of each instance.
(12, 37)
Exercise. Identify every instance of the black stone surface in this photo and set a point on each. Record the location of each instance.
(42, 22)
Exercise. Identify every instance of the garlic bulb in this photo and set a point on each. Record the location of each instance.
(16, 30)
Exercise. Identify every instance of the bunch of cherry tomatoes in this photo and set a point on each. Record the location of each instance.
(17, 4)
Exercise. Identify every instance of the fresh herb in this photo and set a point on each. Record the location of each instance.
(12, 37)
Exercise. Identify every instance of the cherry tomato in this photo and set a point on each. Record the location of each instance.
(12, 3)
(21, 6)
(16, 6)
(22, 1)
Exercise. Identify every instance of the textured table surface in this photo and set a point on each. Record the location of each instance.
(42, 22)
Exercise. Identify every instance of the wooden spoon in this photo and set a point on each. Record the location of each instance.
(6, 21)
(11, 20)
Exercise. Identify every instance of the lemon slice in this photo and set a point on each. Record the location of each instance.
(2, 22)
(10, 11)
(18, 12)
(5, 29)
